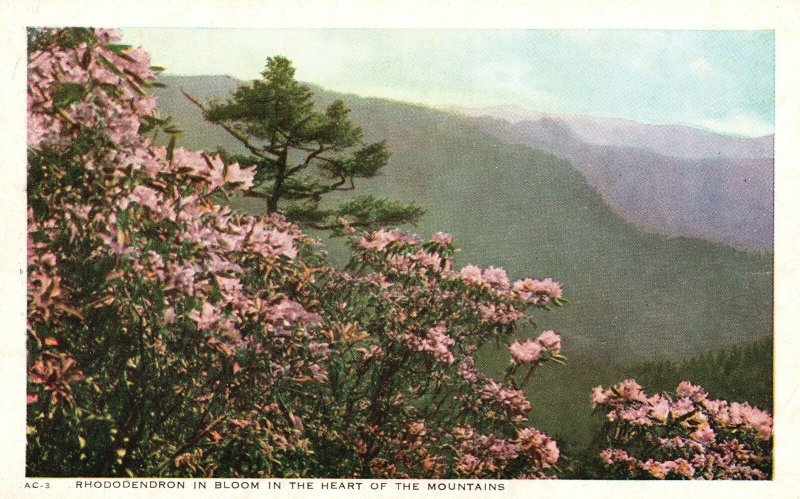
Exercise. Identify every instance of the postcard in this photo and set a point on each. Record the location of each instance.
(357, 249)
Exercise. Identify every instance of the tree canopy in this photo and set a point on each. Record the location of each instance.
(302, 154)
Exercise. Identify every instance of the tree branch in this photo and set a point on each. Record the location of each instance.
(238, 136)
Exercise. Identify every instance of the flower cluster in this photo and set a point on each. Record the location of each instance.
(400, 309)
(530, 351)
(171, 335)
(687, 436)
(152, 305)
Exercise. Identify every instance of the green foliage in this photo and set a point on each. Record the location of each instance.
(43, 38)
(302, 154)
(741, 372)
(362, 211)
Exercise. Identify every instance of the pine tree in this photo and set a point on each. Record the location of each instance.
(302, 154)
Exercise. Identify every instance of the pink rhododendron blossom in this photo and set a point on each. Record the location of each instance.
(550, 340)
(700, 435)
(442, 239)
(498, 313)
(382, 238)
(686, 389)
(537, 292)
(599, 395)
(631, 390)
(436, 342)
(472, 275)
(525, 352)
(533, 441)
(659, 408)
(514, 401)
(496, 277)
(288, 313)
(637, 415)
(206, 318)
(704, 435)
(467, 370)
(243, 177)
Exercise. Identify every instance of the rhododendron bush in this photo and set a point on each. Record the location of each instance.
(685, 436)
(170, 335)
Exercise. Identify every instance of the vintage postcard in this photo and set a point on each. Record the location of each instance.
(399, 253)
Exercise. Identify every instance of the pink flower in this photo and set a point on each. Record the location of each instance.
(230, 287)
(289, 313)
(638, 415)
(496, 277)
(169, 315)
(655, 468)
(468, 464)
(242, 176)
(539, 445)
(205, 318)
(472, 274)
(599, 395)
(631, 390)
(704, 435)
(696, 393)
(526, 352)
(498, 313)
(537, 292)
(436, 342)
(682, 407)
(752, 417)
(514, 401)
(271, 242)
(442, 239)
(382, 238)
(467, 371)
(551, 340)
(319, 373)
(659, 408)
(683, 468)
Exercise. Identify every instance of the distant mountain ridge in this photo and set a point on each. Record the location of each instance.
(680, 141)
(723, 194)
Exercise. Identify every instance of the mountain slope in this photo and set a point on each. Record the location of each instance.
(723, 194)
(635, 295)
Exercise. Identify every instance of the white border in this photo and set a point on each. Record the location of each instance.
(779, 15)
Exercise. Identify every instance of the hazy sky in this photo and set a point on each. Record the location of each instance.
(721, 80)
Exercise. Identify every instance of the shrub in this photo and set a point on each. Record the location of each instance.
(171, 336)
(685, 436)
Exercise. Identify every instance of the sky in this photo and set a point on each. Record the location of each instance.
(719, 80)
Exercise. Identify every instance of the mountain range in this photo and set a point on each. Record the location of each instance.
(667, 178)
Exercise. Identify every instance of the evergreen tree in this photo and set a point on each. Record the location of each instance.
(302, 154)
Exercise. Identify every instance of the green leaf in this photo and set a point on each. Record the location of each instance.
(86, 59)
(117, 47)
(66, 94)
(171, 148)
(110, 65)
